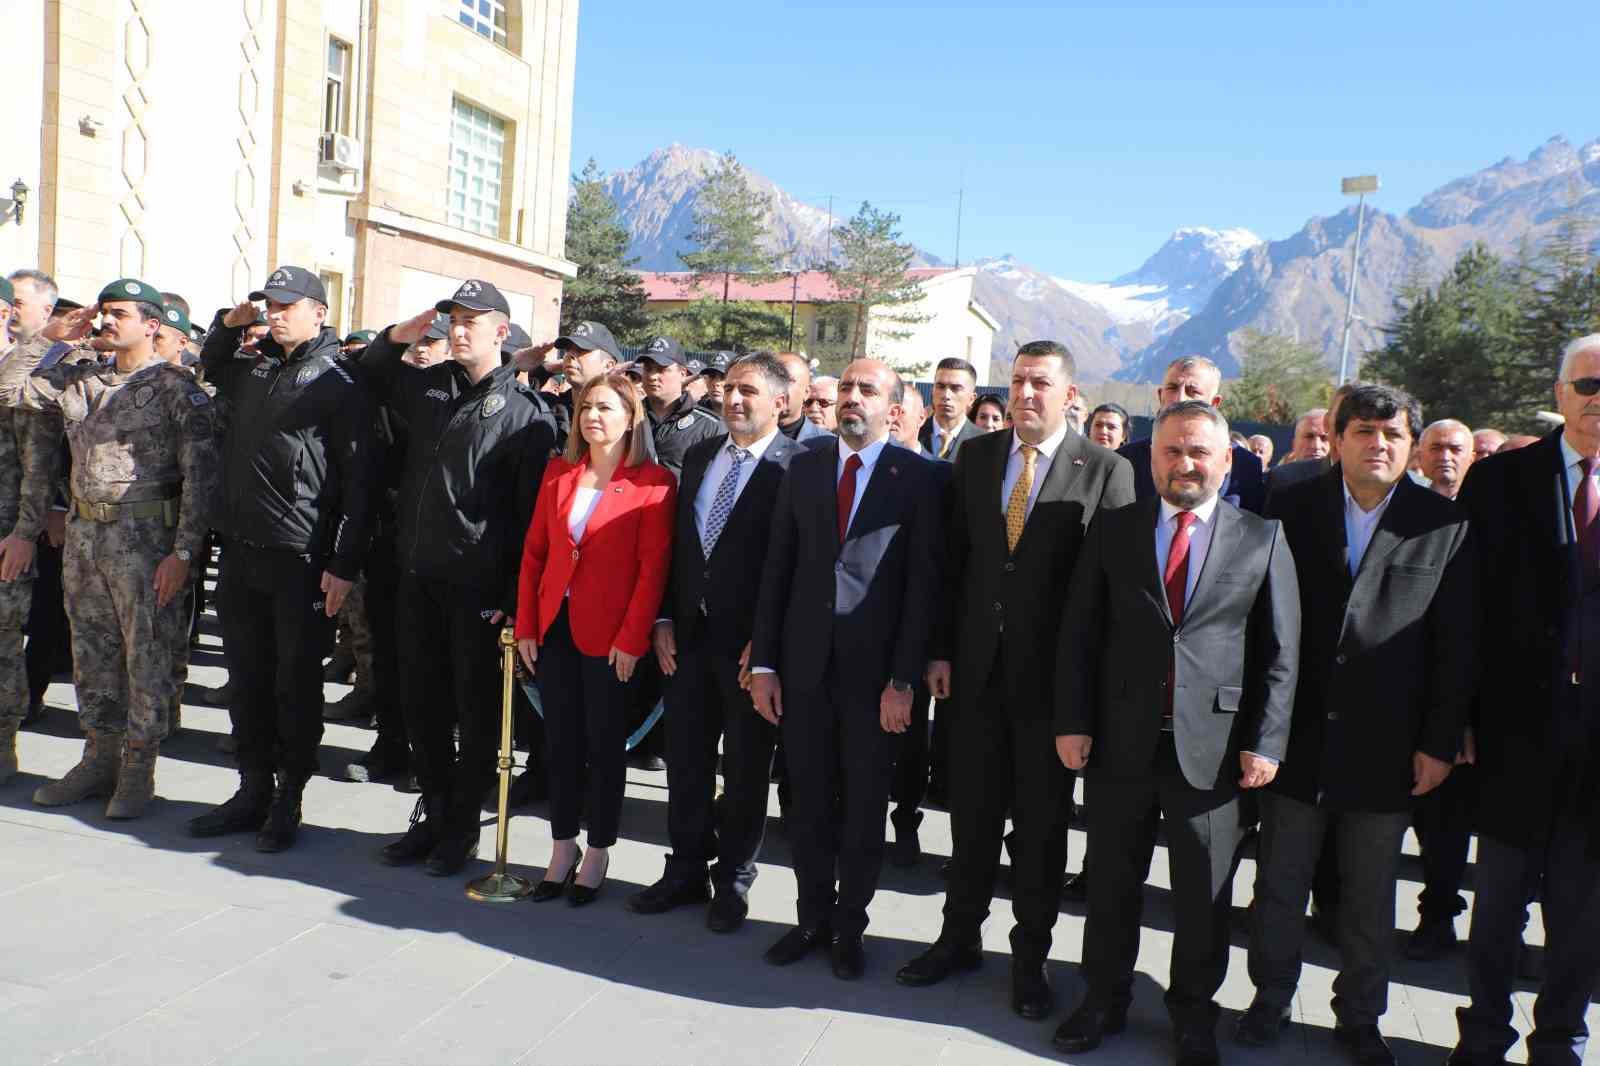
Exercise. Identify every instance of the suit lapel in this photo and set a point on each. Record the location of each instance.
(1150, 565)
(611, 499)
(873, 497)
(1330, 525)
(566, 488)
(779, 447)
(1224, 539)
(1057, 480)
(1387, 537)
(692, 478)
(829, 474)
(994, 510)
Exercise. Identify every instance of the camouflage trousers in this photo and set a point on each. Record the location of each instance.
(354, 635)
(15, 598)
(123, 645)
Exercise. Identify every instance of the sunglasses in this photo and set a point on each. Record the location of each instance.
(825, 404)
(1585, 386)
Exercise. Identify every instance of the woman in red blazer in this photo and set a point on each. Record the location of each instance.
(594, 567)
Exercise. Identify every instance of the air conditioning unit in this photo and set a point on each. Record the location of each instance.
(341, 153)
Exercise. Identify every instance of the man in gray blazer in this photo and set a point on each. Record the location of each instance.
(1175, 680)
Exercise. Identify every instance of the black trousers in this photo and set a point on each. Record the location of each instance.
(705, 705)
(911, 772)
(1443, 821)
(383, 590)
(450, 663)
(1003, 760)
(1203, 833)
(49, 636)
(277, 633)
(586, 725)
(841, 767)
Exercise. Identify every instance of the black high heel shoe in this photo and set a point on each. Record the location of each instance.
(546, 891)
(582, 895)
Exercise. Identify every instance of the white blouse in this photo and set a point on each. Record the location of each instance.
(583, 504)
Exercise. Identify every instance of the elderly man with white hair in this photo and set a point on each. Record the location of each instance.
(1536, 726)
(1446, 449)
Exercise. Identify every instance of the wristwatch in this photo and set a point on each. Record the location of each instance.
(900, 686)
(182, 554)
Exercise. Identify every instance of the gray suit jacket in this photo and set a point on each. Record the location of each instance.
(1235, 657)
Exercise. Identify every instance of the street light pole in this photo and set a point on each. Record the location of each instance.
(1360, 185)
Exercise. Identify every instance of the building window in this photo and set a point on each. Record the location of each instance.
(486, 18)
(333, 285)
(477, 156)
(336, 93)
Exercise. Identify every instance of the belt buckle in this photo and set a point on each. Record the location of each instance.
(101, 511)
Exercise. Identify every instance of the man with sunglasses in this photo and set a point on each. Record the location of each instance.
(1536, 721)
(822, 404)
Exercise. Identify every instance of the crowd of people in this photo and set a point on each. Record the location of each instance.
(885, 599)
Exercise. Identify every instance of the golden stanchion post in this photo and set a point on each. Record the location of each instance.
(499, 886)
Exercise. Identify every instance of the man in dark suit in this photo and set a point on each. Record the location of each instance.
(1019, 505)
(1388, 646)
(955, 385)
(841, 635)
(702, 643)
(792, 420)
(1196, 379)
(1535, 512)
(1292, 471)
(1188, 580)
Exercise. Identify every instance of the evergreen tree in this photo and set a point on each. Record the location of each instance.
(730, 238)
(1560, 296)
(606, 289)
(870, 276)
(1279, 380)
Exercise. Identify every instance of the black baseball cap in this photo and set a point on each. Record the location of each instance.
(64, 304)
(516, 340)
(475, 295)
(663, 351)
(590, 337)
(439, 330)
(720, 361)
(291, 284)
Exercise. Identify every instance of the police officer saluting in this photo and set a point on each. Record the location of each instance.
(676, 423)
(478, 444)
(297, 476)
(144, 486)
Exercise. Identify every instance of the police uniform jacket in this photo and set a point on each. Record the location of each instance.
(683, 426)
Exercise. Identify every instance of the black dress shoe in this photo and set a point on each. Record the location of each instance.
(906, 851)
(727, 912)
(1198, 1047)
(664, 895)
(1261, 1025)
(583, 895)
(1364, 1045)
(796, 944)
(545, 891)
(1030, 990)
(452, 852)
(1075, 887)
(1432, 939)
(848, 958)
(379, 764)
(1087, 1026)
(941, 960)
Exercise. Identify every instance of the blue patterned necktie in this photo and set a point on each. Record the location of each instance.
(722, 502)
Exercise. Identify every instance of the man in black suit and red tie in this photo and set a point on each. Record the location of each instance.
(1189, 580)
(702, 641)
(1019, 504)
(841, 637)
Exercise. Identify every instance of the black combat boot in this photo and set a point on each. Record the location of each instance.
(243, 813)
(283, 817)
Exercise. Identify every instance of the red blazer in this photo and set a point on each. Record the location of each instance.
(617, 575)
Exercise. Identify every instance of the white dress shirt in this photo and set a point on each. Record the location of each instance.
(1041, 467)
(1359, 526)
(718, 469)
(869, 459)
(937, 436)
(1199, 541)
(1574, 466)
(583, 504)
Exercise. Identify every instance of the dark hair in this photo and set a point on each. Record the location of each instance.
(957, 363)
(1379, 403)
(769, 367)
(1041, 349)
(1111, 408)
(148, 311)
(972, 413)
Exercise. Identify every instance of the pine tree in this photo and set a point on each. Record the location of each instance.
(1279, 380)
(606, 289)
(730, 237)
(1560, 290)
(870, 276)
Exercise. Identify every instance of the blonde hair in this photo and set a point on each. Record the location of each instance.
(632, 398)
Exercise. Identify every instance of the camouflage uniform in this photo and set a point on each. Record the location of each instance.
(355, 632)
(27, 471)
(139, 438)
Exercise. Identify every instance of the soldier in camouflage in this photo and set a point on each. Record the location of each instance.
(27, 469)
(146, 477)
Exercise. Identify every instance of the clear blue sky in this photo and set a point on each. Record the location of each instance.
(1087, 132)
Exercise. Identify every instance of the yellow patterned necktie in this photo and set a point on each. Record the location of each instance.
(944, 445)
(1017, 506)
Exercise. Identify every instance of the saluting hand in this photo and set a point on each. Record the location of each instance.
(242, 315)
(532, 358)
(71, 327)
(411, 330)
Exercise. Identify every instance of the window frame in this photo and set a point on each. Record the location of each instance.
(345, 123)
(469, 13)
(480, 125)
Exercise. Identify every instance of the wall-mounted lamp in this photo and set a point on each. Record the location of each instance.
(88, 125)
(19, 197)
(300, 188)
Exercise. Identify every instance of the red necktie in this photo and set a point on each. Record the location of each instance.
(847, 493)
(1176, 579)
(1585, 512)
